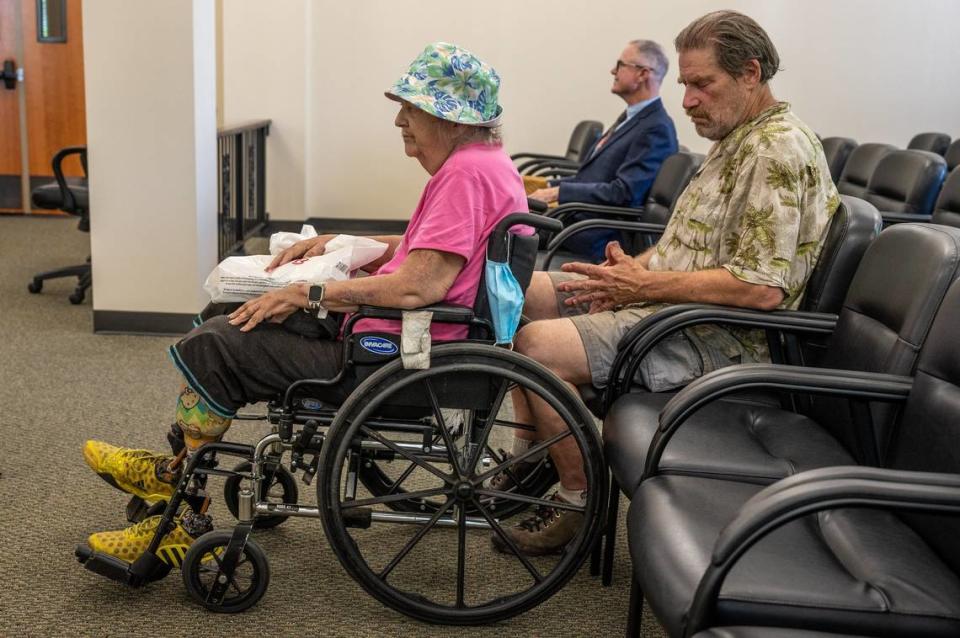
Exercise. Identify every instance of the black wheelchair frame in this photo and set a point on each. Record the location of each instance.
(389, 415)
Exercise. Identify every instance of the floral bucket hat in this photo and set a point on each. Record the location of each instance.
(453, 84)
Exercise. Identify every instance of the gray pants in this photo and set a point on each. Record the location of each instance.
(672, 363)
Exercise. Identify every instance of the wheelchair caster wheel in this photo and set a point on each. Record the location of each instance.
(202, 570)
(76, 299)
(281, 487)
(35, 286)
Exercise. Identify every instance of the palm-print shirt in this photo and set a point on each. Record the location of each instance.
(760, 207)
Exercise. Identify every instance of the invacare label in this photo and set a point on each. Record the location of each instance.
(378, 345)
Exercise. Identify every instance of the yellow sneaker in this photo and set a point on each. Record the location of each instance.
(128, 544)
(137, 472)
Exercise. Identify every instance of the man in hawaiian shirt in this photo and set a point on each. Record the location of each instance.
(746, 232)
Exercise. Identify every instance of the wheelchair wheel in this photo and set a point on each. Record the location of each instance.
(201, 569)
(439, 565)
(281, 487)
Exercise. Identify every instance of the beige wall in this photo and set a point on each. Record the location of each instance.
(876, 70)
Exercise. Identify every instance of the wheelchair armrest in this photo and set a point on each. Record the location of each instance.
(639, 228)
(446, 313)
(66, 195)
(641, 339)
(855, 384)
(903, 218)
(810, 492)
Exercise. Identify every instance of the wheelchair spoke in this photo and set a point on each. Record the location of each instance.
(393, 498)
(461, 553)
(405, 454)
(533, 450)
(442, 425)
(416, 539)
(488, 426)
(403, 477)
(509, 470)
(516, 425)
(532, 500)
(498, 530)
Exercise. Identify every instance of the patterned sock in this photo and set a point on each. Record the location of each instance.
(199, 423)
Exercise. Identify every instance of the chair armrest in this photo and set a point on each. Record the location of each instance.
(444, 313)
(531, 166)
(903, 218)
(810, 492)
(579, 227)
(641, 339)
(66, 195)
(553, 171)
(563, 211)
(869, 386)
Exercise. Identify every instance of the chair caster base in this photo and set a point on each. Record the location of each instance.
(35, 286)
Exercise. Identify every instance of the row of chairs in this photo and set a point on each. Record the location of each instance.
(813, 498)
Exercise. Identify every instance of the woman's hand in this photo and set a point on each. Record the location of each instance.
(274, 306)
(302, 249)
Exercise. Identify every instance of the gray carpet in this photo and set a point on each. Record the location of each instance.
(61, 384)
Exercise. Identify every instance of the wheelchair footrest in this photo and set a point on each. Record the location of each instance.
(145, 569)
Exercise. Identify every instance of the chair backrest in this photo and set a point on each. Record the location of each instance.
(856, 173)
(928, 438)
(906, 182)
(884, 321)
(947, 209)
(674, 175)
(932, 142)
(953, 155)
(584, 135)
(837, 151)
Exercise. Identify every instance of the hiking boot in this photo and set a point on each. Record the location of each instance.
(547, 531)
(515, 475)
(138, 472)
(128, 544)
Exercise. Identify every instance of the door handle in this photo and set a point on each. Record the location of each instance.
(9, 74)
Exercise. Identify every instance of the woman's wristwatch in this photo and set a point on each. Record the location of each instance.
(315, 297)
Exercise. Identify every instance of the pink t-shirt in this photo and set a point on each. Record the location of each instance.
(462, 203)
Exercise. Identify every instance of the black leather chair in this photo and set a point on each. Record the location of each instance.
(584, 134)
(905, 184)
(952, 156)
(70, 195)
(837, 151)
(630, 422)
(932, 142)
(640, 225)
(859, 167)
(947, 209)
(865, 550)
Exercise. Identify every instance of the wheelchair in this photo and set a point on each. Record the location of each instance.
(402, 466)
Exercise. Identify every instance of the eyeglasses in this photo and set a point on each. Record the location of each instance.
(639, 67)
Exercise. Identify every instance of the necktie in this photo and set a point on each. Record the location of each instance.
(606, 136)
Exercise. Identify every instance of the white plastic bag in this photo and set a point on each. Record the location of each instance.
(243, 278)
(279, 242)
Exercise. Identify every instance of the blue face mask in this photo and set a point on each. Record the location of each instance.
(506, 300)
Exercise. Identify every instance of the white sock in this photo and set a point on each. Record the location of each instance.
(519, 446)
(574, 497)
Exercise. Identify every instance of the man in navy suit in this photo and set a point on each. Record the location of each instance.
(620, 167)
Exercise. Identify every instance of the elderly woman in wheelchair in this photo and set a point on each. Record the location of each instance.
(396, 431)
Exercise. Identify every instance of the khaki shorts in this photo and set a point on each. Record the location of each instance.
(672, 363)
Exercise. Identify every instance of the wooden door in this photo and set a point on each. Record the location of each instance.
(53, 89)
(10, 165)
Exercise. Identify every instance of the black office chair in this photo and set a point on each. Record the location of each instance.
(71, 195)
(837, 151)
(947, 209)
(584, 134)
(933, 142)
(953, 155)
(856, 173)
(904, 185)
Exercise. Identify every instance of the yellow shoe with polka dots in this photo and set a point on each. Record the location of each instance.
(128, 544)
